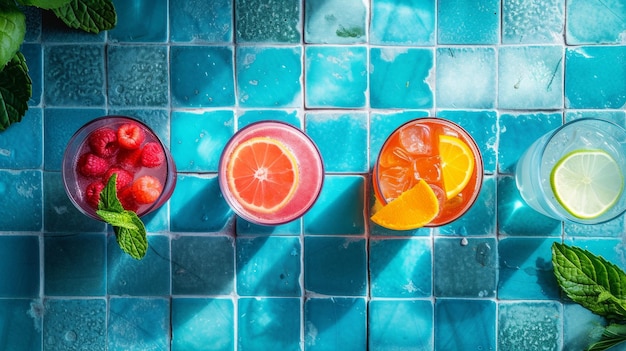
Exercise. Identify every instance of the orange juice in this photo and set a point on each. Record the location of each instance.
(438, 151)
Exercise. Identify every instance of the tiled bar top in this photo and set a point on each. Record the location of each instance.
(347, 72)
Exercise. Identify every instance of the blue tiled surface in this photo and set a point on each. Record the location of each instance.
(348, 72)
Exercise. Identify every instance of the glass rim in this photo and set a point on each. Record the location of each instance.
(479, 164)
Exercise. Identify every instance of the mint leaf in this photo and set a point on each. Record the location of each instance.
(613, 335)
(89, 15)
(130, 231)
(44, 4)
(12, 31)
(590, 281)
(133, 242)
(15, 91)
(118, 219)
(108, 197)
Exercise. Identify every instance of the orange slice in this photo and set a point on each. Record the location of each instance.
(413, 209)
(262, 174)
(457, 164)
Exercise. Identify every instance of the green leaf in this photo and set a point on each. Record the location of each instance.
(613, 335)
(133, 242)
(16, 88)
(12, 31)
(108, 197)
(89, 15)
(44, 4)
(118, 219)
(590, 281)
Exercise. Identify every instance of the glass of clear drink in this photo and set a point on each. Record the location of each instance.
(576, 172)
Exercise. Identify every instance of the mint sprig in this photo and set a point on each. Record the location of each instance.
(130, 231)
(596, 284)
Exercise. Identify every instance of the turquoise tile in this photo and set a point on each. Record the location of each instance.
(247, 117)
(197, 205)
(581, 327)
(198, 138)
(20, 327)
(268, 324)
(526, 271)
(59, 213)
(530, 77)
(611, 249)
(75, 265)
(480, 219)
(199, 21)
(269, 76)
(594, 77)
(19, 266)
(137, 75)
(53, 30)
(402, 22)
(335, 323)
(532, 22)
(59, 126)
(339, 208)
(74, 75)
(400, 78)
(243, 227)
(382, 124)
(268, 21)
(151, 28)
(344, 152)
(202, 76)
(13, 153)
(269, 266)
(400, 325)
(138, 324)
(518, 132)
(149, 276)
(583, 26)
(465, 268)
(336, 76)
(468, 21)
(530, 325)
(33, 53)
(465, 324)
(203, 265)
(22, 191)
(335, 266)
(203, 324)
(33, 23)
(400, 267)
(466, 77)
(75, 324)
(483, 127)
(157, 221)
(515, 217)
(335, 21)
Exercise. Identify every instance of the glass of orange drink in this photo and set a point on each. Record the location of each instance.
(270, 173)
(428, 173)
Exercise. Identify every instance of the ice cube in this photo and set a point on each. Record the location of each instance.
(416, 139)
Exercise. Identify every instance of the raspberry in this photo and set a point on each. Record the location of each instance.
(103, 142)
(130, 136)
(127, 199)
(92, 193)
(124, 177)
(146, 189)
(152, 155)
(128, 159)
(91, 165)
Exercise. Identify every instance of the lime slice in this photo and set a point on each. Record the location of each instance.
(587, 183)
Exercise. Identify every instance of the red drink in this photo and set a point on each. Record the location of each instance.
(270, 173)
(146, 173)
(418, 150)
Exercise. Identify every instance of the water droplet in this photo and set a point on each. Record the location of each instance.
(71, 336)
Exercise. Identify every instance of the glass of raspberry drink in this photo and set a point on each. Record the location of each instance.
(146, 173)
